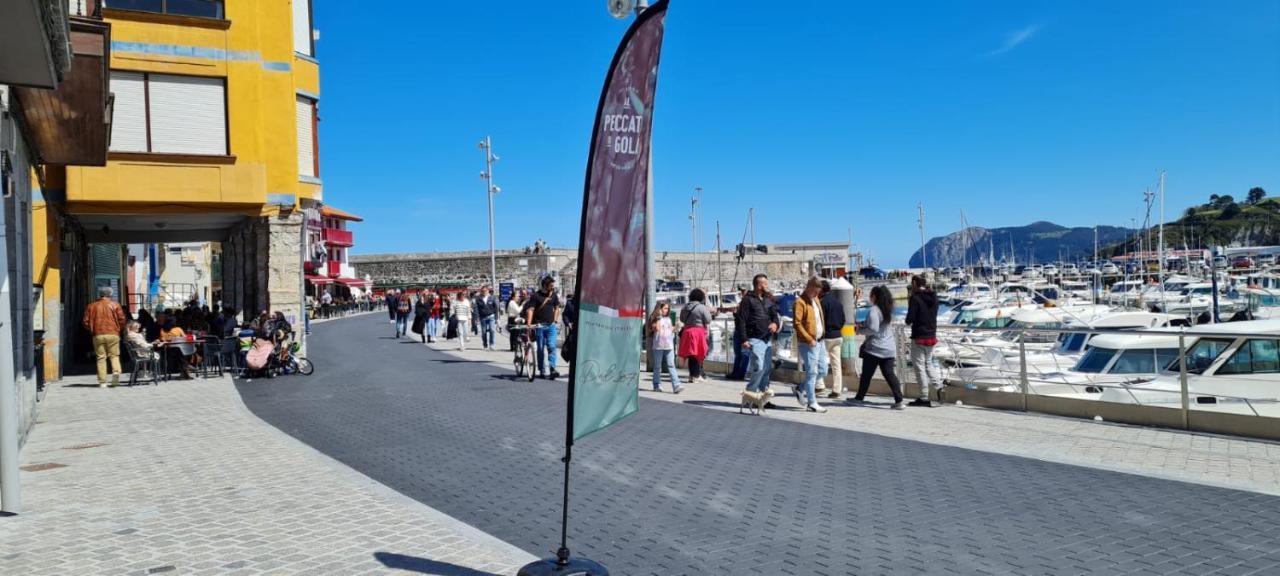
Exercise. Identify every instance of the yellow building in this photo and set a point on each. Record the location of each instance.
(213, 139)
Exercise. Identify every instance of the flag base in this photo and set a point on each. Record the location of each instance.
(570, 567)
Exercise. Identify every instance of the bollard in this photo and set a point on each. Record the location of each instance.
(1182, 382)
(1022, 370)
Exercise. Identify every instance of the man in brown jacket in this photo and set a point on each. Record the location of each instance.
(104, 319)
(809, 325)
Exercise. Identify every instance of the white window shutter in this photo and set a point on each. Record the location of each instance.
(188, 114)
(129, 117)
(302, 26)
(306, 139)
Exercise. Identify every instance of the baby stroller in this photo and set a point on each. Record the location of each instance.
(258, 355)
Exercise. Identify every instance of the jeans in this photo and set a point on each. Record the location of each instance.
(487, 334)
(926, 369)
(761, 367)
(402, 324)
(869, 365)
(835, 375)
(740, 360)
(462, 332)
(107, 347)
(814, 361)
(545, 336)
(665, 359)
(433, 327)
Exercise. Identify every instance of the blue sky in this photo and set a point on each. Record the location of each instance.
(820, 115)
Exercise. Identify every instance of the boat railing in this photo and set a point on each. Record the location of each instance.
(1026, 380)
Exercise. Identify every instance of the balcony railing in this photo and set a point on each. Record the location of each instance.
(338, 237)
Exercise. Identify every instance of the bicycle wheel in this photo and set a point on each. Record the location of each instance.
(519, 363)
(304, 366)
(528, 360)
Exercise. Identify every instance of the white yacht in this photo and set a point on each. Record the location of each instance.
(1232, 367)
(1059, 365)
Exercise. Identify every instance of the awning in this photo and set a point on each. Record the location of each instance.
(319, 280)
(353, 281)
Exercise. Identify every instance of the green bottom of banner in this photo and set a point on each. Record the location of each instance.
(606, 370)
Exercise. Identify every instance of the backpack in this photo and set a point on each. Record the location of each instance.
(403, 306)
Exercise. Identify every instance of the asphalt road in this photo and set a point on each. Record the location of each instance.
(678, 489)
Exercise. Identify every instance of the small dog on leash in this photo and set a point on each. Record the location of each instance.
(754, 402)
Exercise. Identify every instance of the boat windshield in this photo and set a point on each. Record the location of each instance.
(1135, 361)
(1015, 334)
(1257, 301)
(992, 323)
(1201, 355)
(1094, 360)
(1071, 342)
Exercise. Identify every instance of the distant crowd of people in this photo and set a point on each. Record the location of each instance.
(462, 314)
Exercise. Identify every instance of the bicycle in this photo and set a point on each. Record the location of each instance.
(287, 361)
(524, 359)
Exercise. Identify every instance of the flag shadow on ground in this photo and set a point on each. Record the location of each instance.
(425, 566)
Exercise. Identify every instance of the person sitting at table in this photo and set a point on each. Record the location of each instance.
(172, 333)
(137, 342)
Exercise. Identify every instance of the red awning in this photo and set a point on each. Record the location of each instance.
(319, 280)
(353, 281)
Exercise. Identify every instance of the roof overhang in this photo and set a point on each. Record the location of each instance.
(71, 124)
(156, 228)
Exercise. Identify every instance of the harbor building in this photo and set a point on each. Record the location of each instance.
(213, 139)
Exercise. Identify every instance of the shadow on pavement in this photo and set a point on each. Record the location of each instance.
(424, 566)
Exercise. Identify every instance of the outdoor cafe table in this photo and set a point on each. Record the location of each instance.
(179, 343)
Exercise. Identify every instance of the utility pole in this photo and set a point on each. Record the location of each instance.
(490, 190)
(924, 256)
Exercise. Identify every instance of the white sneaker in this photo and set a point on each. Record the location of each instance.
(816, 407)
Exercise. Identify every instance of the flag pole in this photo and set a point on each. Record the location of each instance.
(564, 564)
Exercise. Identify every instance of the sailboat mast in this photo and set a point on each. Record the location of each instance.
(924, 256)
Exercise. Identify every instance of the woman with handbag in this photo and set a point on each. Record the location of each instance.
(695, 317)
(420, 313)
(879, 350)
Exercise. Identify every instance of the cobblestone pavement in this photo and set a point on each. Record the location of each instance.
(182, 479)
(1226, 461)
(679, 489)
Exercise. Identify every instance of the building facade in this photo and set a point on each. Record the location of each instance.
(214, 138)
(328, 265)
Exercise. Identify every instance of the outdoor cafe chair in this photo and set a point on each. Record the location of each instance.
(145, 365)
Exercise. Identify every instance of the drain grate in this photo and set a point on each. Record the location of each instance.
(162, 569)
(41, 467)
(84, 446)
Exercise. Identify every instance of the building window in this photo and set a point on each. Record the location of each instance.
(169, 114)
(198, 8)
(302, 28)
(308, 143)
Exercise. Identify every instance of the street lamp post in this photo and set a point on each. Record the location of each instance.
(490, 190)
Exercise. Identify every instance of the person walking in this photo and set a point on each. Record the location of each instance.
(663, 346)
(104, 319)
(462, 311)
(832, 340)
(487, 310)
(809, 328)
(755, 324)
(514, 307)
(879, 350)
(420, 313)
(741, 359)
(433, 315)
(922, 315)
(403, 308)
(695, 317)
(391, 304)
(473, 300)
(543, 312)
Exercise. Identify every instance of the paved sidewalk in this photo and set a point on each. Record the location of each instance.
(1239, 463)
(181, 478)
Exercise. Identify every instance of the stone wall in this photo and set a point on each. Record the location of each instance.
(472, 268)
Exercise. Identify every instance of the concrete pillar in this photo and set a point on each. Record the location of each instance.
(284, 268)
